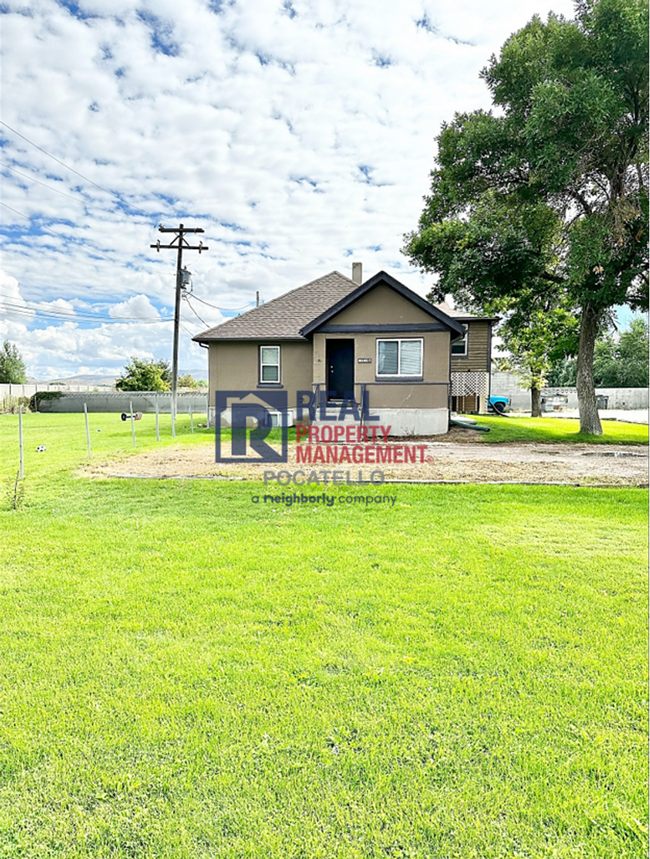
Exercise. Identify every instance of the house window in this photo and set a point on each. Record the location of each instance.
(459, 347)
(399, 357)
(270, 364)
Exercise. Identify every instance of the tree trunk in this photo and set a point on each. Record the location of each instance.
(535, 402)
(589, 420)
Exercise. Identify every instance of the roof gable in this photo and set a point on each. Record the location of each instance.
(383, 278)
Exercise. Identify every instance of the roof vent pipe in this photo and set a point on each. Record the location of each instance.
(357, 275)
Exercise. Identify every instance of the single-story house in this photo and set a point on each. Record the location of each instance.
(376, 341)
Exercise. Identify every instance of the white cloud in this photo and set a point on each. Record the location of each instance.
(138, 306)
(298, 140)
(61, 347)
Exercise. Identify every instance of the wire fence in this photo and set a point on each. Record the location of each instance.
(186, 420)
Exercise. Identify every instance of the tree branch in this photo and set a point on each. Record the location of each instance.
(552, 278)
(580, 198)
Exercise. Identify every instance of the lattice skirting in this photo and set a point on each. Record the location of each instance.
(469, 384)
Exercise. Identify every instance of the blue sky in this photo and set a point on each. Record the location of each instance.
(299, 135)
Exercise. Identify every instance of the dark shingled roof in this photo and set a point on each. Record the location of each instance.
(282, 318)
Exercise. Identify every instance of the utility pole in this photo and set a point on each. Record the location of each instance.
(178, 244)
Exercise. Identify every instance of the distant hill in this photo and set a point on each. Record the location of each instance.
(197, 374)
(109, 381)
(97, 381)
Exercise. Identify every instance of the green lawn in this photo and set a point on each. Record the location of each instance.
(185, 674)
(554, 430)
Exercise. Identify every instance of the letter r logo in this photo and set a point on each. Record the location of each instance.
(251, 415)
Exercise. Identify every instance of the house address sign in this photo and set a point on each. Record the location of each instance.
(364, 360)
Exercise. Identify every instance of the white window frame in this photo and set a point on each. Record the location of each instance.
(263, 381)
(462, 340)
(399, 341)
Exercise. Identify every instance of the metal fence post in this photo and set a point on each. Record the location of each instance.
(157, 421)
(173, 410)
(191, 417)
(20, 436)
(132, 421)
(87, 429)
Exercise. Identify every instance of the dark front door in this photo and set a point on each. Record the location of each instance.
(340, 367)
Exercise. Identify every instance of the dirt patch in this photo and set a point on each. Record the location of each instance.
(606, 465)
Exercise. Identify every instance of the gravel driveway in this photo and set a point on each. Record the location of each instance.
(601, 465)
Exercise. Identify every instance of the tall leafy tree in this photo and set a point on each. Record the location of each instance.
(165, 372)
(188, 381)
(623, 363)
(618, 362)
(12, 366)
(140, 375)
(632, 356)
(533, 332)
(549, 192)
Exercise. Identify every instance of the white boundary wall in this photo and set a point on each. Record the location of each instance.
(28, 390)
(507, 385)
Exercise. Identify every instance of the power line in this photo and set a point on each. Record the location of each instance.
(43, 227)
(223, 309)
(25, 309)
(187, 298)
(67, 167)
(186, 330)
(43, 314)
(83, 242)
(56, 190)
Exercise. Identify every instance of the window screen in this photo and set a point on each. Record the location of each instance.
(399, 357)
(410, 358)
(269, 364)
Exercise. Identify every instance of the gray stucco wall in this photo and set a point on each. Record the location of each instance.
(507, 385)
(235, 366)
(382, 306)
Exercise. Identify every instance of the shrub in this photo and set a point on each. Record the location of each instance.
(9, 405)
(41, 396)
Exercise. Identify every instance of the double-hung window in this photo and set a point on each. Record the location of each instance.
(270, 364)
(399, 358)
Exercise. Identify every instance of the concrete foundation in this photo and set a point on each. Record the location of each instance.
(409, 422)
(403, 422)
(226, 419)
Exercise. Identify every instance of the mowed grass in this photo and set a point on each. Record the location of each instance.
(554, 430)
(185, 673)
(64, 439)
